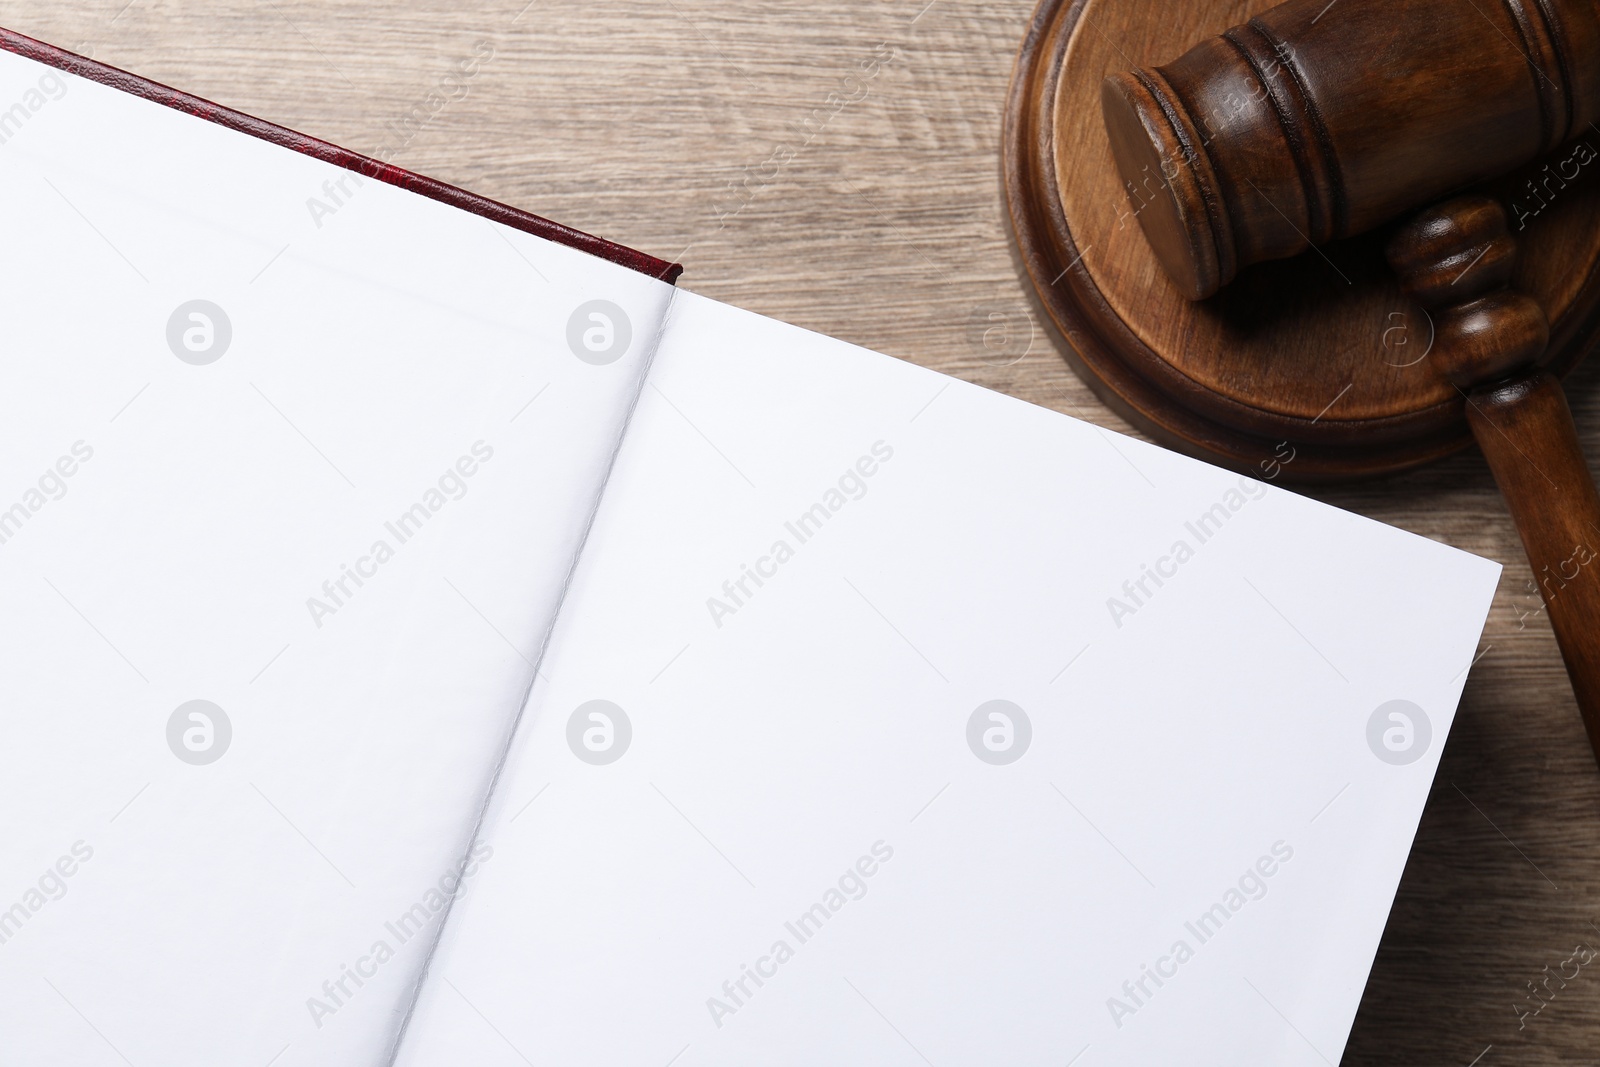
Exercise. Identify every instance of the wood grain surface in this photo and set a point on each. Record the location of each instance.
(743, 138)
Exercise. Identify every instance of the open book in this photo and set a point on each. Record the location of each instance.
(433, 638)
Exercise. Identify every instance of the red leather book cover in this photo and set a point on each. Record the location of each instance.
(366, 166)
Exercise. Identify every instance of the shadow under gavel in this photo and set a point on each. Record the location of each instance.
(1318, 120)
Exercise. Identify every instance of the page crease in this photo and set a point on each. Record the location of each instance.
(504, 756)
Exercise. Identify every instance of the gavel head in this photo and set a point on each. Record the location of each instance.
(1318, 120)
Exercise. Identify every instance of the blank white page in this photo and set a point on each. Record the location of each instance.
(193, 497)
(781, 819)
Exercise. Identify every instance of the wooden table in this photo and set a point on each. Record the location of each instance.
(745, 139)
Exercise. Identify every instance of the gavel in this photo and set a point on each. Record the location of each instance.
(1320, 120)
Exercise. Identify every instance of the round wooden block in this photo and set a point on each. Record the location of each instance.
(1319, 358)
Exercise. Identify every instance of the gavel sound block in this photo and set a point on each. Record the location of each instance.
(1156, 185)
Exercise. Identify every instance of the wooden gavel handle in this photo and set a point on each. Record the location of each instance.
(1456, 259)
